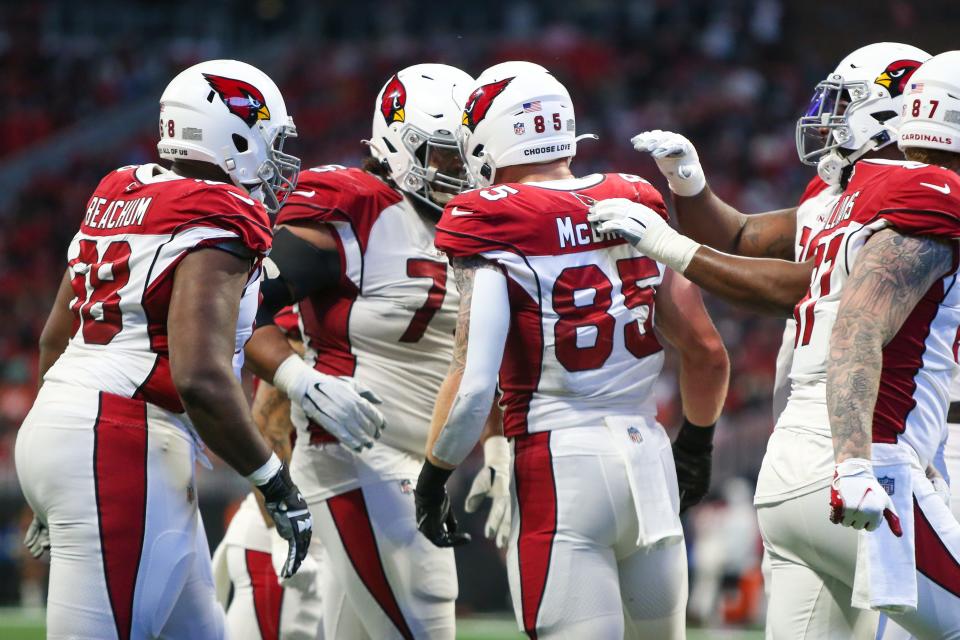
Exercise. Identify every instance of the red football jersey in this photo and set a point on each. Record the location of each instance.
(918, 363)
(581, 344)
(139, 224)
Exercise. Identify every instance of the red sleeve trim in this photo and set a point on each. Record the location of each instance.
(939, 223)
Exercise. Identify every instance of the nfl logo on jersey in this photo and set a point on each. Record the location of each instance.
(634, 434)
(518, 128)
(888, 484)
(406, 486)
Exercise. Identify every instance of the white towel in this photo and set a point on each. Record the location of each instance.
(648, 457)
(886, 573)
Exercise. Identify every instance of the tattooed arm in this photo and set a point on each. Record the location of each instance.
(891, 275)
(711, 221)
(463, 402)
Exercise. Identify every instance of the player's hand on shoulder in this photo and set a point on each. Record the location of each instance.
(286, 506)
(645, 229)
(493, 481)
(342, 406)
(858, 500)
(37, 539)
(676, 157)
(634, 222)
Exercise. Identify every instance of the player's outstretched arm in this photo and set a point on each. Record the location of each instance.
(201, 325)
(304, 262)
(467, 394)
(204, 306)
(706, 218)
(763, 285)
(56, 332)
(892, 273)
(704, 375)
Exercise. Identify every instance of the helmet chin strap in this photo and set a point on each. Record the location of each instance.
(831, 166)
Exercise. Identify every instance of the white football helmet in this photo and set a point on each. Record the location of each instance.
(857, 108)
(231, 114)
(416, 114)
(931, 106)
(517, 113)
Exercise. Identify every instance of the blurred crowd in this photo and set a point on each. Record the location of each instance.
(733, 75)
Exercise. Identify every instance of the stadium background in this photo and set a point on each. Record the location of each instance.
(79, 85)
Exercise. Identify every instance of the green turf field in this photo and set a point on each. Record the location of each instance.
(19, 624)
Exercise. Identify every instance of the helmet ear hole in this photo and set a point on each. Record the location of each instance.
(477, 151)
(883, 116)
(240, 143)
(392, 148)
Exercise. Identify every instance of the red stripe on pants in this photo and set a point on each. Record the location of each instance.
(934, 560)
(350, 516)
(267, 593)
(537, 499)
(120, 484)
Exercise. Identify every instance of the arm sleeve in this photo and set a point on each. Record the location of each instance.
(297, 269)
(489, 324)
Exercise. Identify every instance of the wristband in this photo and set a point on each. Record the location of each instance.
(676, 251)
(433, 480)
(690, 185)
(496, 451)
(289, 373)
(269, 469)
(695, 438)
(854, 466)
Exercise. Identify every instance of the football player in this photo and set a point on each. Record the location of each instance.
(852, 116)
(872, 364)
(377, 313)
(567, 318)
(140, 360)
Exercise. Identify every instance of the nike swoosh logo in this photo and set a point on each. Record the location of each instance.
(305, 194)
(945, 189)
(241, 198)
(459, 212)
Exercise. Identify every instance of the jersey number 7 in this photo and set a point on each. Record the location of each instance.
(437, 271)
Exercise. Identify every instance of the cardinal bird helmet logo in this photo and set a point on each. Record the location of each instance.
(394, 101)
(478, 104)
(242, 98)
(894, 77)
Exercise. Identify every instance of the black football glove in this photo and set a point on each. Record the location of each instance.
(692, 455)
(290, 513)
(435, 518)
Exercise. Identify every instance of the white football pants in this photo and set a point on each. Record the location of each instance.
(113, 479)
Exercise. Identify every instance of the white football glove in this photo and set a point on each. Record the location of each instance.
(676, 158)
(342, 406)
(645, 229)
(305, 579)
(940, 485)
(37, 539)
(493, 481)
(857, 500)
